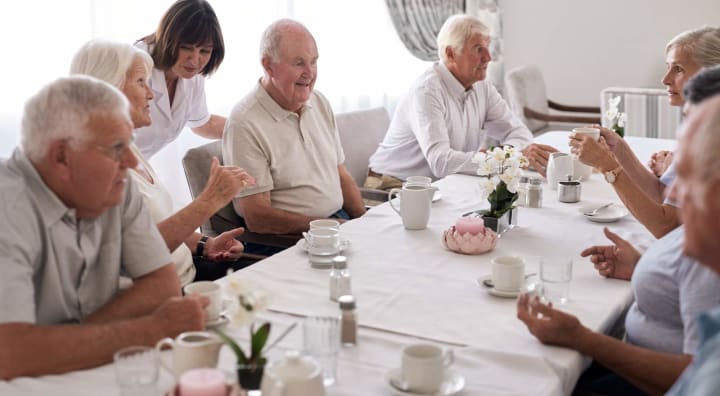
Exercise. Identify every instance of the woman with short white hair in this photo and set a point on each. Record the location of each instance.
(196, 257)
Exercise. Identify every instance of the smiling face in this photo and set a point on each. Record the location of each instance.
(97, 167)
(138, 93)
(680, 67)
(191, 59)
(469, 65)
(291, 78)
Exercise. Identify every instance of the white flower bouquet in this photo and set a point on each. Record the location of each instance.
(500, 168)
(617, 119)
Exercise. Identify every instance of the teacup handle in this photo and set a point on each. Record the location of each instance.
(448, 358)
(165, 342)
(392, 194)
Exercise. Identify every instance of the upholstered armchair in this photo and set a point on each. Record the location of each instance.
(527, 97)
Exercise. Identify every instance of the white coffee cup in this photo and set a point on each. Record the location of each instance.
(324, 223)
(424, 367)
(508, 273)
(212, 291)
(414, 205)
(580, 170)
(418, 180)
(192, 349)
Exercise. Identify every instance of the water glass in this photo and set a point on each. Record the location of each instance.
(555, 277)
(136, 371)
(323, 246)
(321, 340)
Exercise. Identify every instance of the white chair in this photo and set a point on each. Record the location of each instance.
(527, 98)
(360, 134)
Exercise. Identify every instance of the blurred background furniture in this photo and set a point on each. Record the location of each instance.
(196, 163)
(527, 97)
(360, 134)
(649, 113)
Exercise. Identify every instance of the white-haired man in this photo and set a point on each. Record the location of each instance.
(284, 134)
(449, 114)
(72, 222)
(697, 189)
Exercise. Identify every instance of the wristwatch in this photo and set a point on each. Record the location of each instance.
(200, 249)
(611, 176)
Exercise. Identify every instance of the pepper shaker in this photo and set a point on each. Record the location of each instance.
(348, 321)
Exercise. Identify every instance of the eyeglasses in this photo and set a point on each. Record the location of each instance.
(116, 151)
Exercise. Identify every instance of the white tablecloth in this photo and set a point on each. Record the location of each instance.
(410, 288)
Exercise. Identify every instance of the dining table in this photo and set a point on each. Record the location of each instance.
(410, 289)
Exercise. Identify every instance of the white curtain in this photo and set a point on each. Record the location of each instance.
(362, 62)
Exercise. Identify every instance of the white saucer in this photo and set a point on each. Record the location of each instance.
(610, 214)
(222, 320)
(303, 244)
(452, 384)
(495, 292)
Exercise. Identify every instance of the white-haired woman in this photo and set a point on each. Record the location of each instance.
(641, 191)
(196, 257)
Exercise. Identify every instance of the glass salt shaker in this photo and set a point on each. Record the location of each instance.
(522, 191)
(340, 280)
(534, 193)
(348, 321)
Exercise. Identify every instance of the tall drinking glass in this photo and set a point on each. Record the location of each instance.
(555, 277)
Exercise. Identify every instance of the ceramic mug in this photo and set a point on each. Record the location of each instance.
(560, 165)
(424, 367)
(414, 205)
(508, 273)
(212, 291)
(580, 170)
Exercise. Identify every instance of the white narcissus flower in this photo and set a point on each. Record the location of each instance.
(498, 154)
(611, 113)
(622, 119)
(479, 158)
(247, 301)
(614, 102)
(484, 169)
(486, 187)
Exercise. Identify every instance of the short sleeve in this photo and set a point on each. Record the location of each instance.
(242, 146)
(143, 248)
(698, 286)
(198, 114)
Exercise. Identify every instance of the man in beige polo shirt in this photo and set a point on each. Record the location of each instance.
(284, 133)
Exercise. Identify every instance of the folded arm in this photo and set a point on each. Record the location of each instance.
(32, 350)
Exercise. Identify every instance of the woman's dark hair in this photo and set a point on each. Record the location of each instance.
(190, 22)
(704, 84)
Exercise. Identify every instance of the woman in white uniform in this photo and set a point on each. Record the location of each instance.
(196, 257)
(186, 47)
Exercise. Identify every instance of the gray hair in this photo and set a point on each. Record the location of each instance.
(109, 61)
(62, 109)
(456, 30)
(702, 85)
(270, 41)
(703, 45)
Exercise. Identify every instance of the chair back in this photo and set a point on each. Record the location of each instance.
(525, 87)
(196, 163)
(360, 134)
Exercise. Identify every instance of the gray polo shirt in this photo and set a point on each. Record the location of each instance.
(56, 268)
(293, 157)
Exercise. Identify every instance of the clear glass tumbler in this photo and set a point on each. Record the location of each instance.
(321, 340)
(136, 371)
(555, 277)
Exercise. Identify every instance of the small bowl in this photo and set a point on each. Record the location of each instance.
(468, 243)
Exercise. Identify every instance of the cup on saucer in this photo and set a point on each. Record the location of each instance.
(424, 367)
(508, 274)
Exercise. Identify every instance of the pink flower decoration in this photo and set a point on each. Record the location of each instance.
(468, 243)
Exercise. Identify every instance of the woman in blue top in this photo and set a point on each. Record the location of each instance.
(186, 47)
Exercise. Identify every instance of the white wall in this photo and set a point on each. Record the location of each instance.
(583, 46)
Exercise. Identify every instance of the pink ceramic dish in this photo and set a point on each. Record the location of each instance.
(468, 243)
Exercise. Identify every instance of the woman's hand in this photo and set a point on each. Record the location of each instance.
(224, 183)
(549, 325)
(225, 247)
(615, 261)
(595, 153)
(660, 161)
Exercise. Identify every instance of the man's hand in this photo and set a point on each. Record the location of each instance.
(180, 314)
(613, 261)
(549, 325)
(538, 156)
(225, 247)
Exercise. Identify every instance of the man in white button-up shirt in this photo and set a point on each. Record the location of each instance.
(451, 112)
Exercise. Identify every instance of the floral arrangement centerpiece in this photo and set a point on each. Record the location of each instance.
(500, 168)
(617, 119)
(247, 302)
